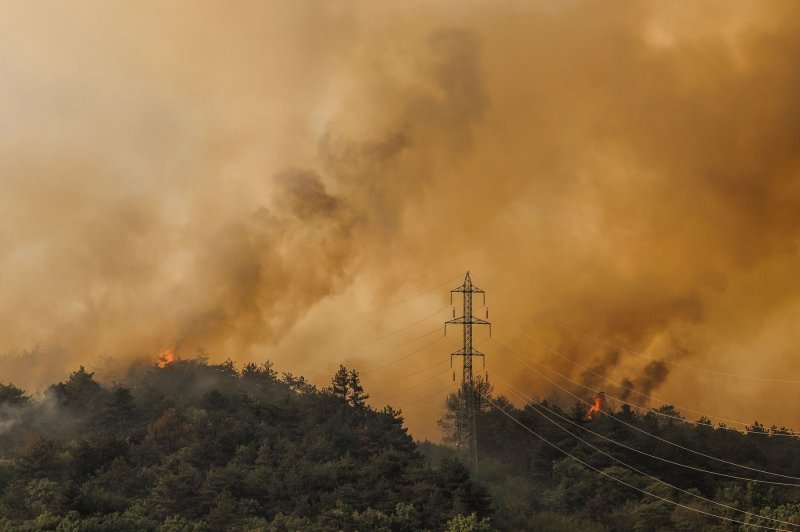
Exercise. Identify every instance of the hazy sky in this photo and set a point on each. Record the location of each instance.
(278, 179)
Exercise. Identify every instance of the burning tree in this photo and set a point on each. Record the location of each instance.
(598, 407)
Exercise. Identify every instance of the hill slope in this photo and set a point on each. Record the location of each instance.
(193, 446)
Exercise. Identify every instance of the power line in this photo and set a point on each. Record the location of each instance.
(670, 362)
(644, 473)
(437, 329)
(619, 420)
(530, 402)
(401, 329)
(439, 363)
(343, 350)
(417, 385)
(515, 420)
(415, 296)
(419, 399)
(608, 396)
(395, 361)
(682, 408)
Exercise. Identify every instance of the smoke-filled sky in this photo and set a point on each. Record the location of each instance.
(280, 180)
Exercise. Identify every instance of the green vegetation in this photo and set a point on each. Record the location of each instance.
(199, 447)
(195, 447)
(534, 486)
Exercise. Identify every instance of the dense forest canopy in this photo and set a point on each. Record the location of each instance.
(199, 446)
(554, 469)
(193, 446)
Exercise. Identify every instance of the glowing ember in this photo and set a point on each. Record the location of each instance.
(598, 407)
(166, 357)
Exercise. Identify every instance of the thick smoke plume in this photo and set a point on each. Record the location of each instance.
(269, 180)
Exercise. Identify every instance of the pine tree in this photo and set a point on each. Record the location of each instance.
(356, 396)
(11, 395)
(340, 383)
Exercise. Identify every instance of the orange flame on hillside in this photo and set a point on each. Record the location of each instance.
(167, 357)
(598, 407)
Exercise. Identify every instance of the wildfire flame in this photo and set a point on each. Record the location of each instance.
(598, 407)
(166, 357)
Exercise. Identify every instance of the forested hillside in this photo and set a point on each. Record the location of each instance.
(550, 468)
(193, 446)
(197, 447)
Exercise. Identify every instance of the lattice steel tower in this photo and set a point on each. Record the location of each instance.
(467, 437)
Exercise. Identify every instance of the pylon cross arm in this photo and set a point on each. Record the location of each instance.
(470, 319)
(470, 290)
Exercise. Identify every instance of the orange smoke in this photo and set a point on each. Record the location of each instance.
(166, 357)
(598, 407)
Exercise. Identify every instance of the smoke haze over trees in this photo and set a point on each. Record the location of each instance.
(206, 447)
(268, 176)
(194, 446)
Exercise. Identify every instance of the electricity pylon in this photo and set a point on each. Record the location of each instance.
(466, 434)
